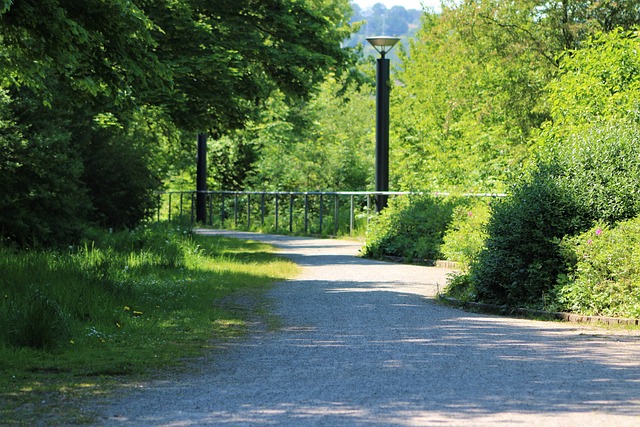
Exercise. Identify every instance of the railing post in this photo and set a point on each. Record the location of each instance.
(277, 209)
(351, 217)
(181, 201)
(221, 210)
(235, 210)
(306, 213)
(290, 213)
(321, 213)
(262, 211)
(336, 213)
(211, 209)
(169, 207)
(368, 208)
(248, 211)
(193, 196)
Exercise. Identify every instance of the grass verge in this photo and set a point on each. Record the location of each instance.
(80, 323)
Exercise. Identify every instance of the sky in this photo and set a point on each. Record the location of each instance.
(408, 4)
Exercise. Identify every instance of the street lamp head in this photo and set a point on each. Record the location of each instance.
(383, 44)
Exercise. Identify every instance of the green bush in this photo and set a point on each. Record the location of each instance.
(521, 259)
(120, 179)
(411, 227)
(465, 236)
(593, 176)
(603, 275)
(43, 201)
(599, 167)
(460, 286)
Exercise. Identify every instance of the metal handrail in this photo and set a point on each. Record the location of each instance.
(278, 195)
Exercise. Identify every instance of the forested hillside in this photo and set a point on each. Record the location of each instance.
(382, 21)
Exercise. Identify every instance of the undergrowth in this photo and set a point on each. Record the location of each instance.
(119, 305)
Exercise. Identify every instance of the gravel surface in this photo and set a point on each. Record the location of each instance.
(362, 343)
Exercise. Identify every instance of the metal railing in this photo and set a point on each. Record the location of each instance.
(309, 212)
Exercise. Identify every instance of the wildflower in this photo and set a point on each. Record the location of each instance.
(470, 214)
(598, 231)
(589, 241)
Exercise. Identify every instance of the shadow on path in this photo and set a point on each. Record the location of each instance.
(361, 345)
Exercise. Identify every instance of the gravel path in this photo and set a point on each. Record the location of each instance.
(361, 345)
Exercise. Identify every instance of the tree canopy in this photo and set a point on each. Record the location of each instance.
(206, 63)
(111, 89)
(473, 86)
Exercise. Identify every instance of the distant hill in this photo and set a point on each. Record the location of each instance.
(382, 21)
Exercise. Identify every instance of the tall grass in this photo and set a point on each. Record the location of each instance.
(122, 303)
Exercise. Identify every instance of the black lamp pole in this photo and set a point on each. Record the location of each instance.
(383, 86)
(382, 130)
(201, 179)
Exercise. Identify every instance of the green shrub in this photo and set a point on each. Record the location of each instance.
(593, 176)
(43, 201)
(465, 236)
(120, 179)
(603, 275)
(460, 286)
(521, 259)
(411, 227)
(600, 168)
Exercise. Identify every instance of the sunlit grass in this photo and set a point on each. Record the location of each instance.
(73, 324)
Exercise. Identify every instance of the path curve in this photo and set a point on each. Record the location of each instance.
(364, 345)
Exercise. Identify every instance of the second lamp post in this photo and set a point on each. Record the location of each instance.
(383, 45)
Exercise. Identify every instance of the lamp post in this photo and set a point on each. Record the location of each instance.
(383, 45)
(201, 179)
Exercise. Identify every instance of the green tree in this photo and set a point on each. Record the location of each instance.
(472, 85)
(97, 71)
(325, 143)
(463, 113)
(93, 47)
(227, 57)
(599, 82)
(43, 200)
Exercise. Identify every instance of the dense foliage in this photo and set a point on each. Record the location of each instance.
(603, 276)
(465, 235)
(535, 98)
(587, 170)
(469, 104)
(323, 144)
(97, 99)
(412, 227)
